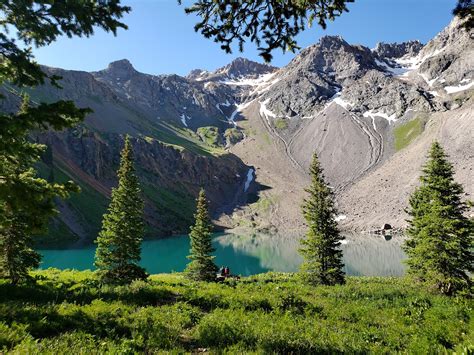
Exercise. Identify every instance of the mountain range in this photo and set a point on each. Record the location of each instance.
(246, 133)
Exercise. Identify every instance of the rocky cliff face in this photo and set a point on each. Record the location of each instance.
(240, 68)
(170, 179)
(398, 50)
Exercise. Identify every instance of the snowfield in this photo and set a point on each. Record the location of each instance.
(239, 108)
(339, 101)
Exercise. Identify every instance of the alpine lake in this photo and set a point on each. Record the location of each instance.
(364, 255)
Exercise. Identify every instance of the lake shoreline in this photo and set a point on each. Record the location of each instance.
(246, 254)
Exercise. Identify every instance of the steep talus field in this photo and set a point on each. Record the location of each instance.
(246, 133)
(381, 196)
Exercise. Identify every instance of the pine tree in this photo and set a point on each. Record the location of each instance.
(119, 242)
(320, 249)
(18, 254)
(440, 245)
(27, 201)
(201, 267)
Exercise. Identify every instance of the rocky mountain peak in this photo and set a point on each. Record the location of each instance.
(242, 67)
(196, 73)
(333, 55)
(122, 69)
(332, 42)
(398, 50)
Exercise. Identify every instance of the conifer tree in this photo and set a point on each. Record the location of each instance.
(119, 242)
(18, 254)
(201, 267)
(440, 245)
(26, 200)
(320, 249)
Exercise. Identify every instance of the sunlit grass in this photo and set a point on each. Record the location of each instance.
(272, 313)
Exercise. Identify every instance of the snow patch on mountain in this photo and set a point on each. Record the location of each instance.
(226, 104)
(430, 82)
(403, 66)
(239, 108)
(184, 118)
(372, 114)
(265, 85)
(339, 101)
(245, 81)
(394, 70)
(459, 88)
(265, 112)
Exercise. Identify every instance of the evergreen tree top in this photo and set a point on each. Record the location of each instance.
(317, 174)
(437, 164)
(126, 157)
(202, 203)
(438, 177)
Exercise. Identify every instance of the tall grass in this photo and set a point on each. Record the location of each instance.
(71, 312)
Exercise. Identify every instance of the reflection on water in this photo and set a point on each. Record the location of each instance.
(363, 255)
(374, 256)
(248, 255)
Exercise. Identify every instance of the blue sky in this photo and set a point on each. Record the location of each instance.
(161, 38)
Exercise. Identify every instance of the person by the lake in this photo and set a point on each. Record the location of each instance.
(224, 272)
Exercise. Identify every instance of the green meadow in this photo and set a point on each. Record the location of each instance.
(71, 312)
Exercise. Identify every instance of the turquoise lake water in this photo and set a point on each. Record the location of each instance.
(247, 255)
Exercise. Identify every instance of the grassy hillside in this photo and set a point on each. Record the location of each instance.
(407, 132)
(69, 312)
(88, 206)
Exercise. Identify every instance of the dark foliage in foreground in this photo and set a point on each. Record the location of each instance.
(27, 201)
(270, 24)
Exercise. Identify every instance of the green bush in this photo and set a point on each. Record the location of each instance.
(233, 135)
(73, 343)
(210, 135)
(13, 335)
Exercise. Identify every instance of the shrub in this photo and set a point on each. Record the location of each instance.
(13, 335)
(281, 124)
